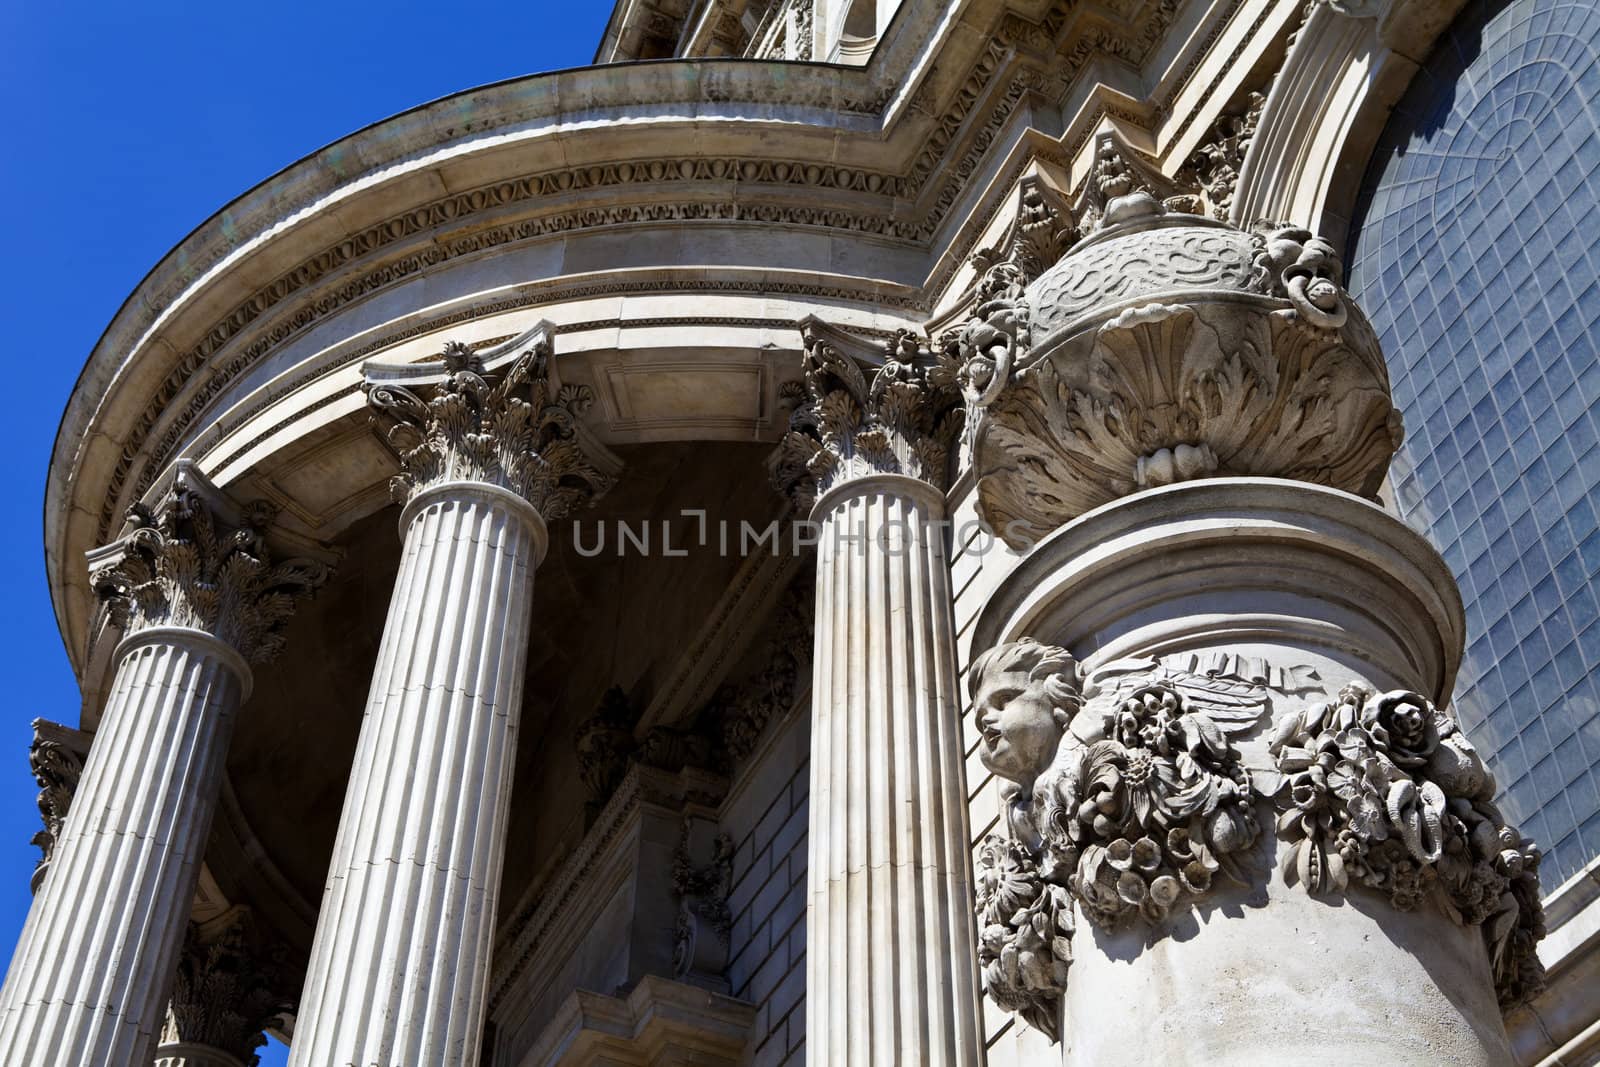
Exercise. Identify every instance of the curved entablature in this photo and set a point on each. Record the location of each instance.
(674, 221)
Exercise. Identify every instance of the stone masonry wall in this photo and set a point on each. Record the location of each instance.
(766, 813)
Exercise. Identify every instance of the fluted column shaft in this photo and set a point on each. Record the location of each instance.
(889, 921)
(88, 983)
(400, 961)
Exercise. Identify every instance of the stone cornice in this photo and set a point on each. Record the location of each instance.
(907, 139)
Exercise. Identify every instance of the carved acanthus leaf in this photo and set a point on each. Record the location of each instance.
(901, 422)
(188, 562)
(228, 988)
(1383, 790)
(56, 758)
(515, 433)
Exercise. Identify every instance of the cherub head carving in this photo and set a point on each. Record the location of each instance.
(1024, 695)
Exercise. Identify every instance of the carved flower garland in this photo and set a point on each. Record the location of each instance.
(1384, 790)
(1025, 928)
(1149, 815)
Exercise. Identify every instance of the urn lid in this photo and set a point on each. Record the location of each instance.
(1141, 250)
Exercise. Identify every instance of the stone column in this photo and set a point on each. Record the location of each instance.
(889, 925)
(197, 596)
(1242, 824)
(228, 990)
(400, 961)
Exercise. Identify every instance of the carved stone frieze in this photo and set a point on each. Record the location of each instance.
(901, 422)
(228, 989)
(1169, 347)
(194, 560)
(1127, 797)
(56, 759)
(1383, 790)
(515, 433)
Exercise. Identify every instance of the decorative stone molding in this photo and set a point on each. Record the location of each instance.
(195, 560)
(56, 759)
(659, 1023)
(1383, 790)
(1168, 347)
(700, 948)
(1214, 166)
(517, 434)
(227, 990)
(902, 422)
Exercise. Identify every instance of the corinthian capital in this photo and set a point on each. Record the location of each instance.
(197, 560)
(228, 989)
(901, 422)
(56, 759)
(453, 420)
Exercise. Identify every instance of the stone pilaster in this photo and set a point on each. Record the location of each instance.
(889, 927)
(197, 595)
(400, 961)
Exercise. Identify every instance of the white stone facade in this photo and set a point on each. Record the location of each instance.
(888, 571)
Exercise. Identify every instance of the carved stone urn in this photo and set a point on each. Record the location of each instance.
(1165, 347)
(1241, 823)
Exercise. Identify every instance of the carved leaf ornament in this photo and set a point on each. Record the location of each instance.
(513, 434)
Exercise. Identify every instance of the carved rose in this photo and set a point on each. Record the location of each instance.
(1385, 791)
(1401, 724)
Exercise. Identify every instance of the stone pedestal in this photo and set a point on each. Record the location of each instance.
(88, 982)
(1246, 636)
(889, 927)
(400, 963)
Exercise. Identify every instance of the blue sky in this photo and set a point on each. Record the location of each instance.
(129, 126)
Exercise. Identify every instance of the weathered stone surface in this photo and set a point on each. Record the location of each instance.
(1219, 748)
